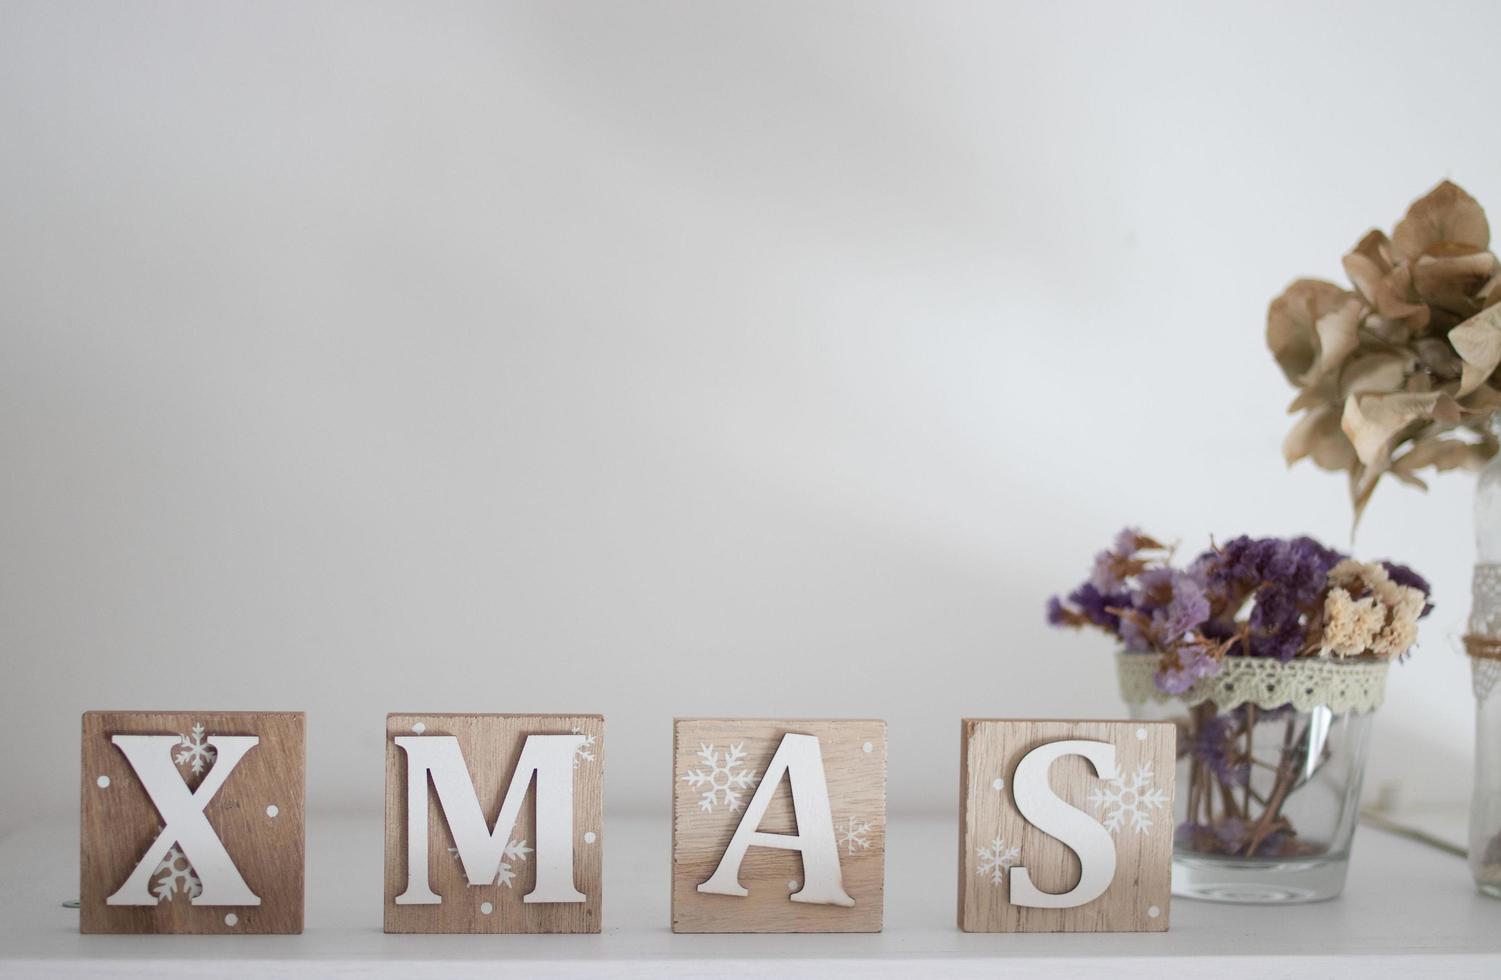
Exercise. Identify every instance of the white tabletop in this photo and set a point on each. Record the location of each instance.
(1409, 911)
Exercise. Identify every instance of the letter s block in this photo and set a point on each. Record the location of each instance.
(1065, 826)
(778, 825)
(494, 823)
(192, 822)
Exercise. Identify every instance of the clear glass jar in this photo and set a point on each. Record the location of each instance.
(1266, 800)
(1485, 804)
(1484, 644)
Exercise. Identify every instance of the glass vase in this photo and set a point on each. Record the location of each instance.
(1485, 804)
(1483, 643)
(1270, 761)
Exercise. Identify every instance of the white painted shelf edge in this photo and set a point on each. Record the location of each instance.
(1408, 910)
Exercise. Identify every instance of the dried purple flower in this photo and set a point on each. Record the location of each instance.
(1187, 609)
(1232, 834)
(1097, 605)
(1183, 667)
(1256, 597)
(1057, 615)
(1107, 575)
(1134, 637)
(1130, 540)
(1212, 744)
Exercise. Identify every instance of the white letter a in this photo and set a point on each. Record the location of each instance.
(801, 760)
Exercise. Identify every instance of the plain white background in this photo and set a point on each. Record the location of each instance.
(683, 358)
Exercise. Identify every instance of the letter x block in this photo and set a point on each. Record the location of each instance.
(192, 822)
(778, 825)
(1065, 826)
(494, 823)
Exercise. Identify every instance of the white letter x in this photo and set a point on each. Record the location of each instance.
(183, 819)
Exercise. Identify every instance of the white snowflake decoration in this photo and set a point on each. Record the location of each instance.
(854, 835)
(515, 850)
(195, 752)
(584, 753)
(1132, 798)
(724, 774)
(177, 874)
(995, 859)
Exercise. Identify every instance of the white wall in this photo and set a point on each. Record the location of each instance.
(638, 358)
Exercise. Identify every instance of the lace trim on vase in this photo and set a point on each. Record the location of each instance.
(1483, 676)
(1485, 600)
(1306, 683)
(1484, 635)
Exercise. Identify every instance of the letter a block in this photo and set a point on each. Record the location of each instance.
(494, 823)
(778, 826)
(192, 822)
(1065, 826)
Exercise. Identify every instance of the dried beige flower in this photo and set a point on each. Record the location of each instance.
(1350, 625)
(1349, 573)
(1365, 612)
(1396, 375)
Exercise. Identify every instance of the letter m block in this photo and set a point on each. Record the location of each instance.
(494, 823)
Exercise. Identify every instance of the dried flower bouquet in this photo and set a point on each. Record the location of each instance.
(1397, 375)
(1259, 640)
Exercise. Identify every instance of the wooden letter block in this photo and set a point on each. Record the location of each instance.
(494, 823)
(778, 826)
(1065, 826)
(192, 822)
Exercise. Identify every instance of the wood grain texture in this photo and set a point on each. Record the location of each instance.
(854, 759)
(1138, 897)
(491, 745)
(119, 823)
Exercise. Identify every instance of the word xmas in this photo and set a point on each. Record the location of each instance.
(194, 823)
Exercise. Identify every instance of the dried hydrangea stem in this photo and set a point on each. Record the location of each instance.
(1250, 727)
(1244, 824)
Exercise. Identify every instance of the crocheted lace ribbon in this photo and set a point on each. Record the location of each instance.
(1484, 674)
(1483, 641)
(1305, 683)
